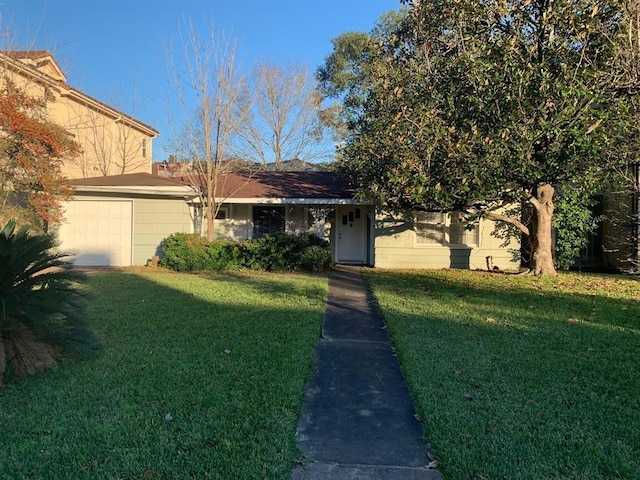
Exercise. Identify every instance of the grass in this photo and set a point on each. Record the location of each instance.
(201, 376)
(521, 377)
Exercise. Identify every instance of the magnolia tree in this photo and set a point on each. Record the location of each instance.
(478, 106)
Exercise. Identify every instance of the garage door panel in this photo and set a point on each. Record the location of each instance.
(98, 232)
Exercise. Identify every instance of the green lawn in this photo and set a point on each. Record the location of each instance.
(201, 376)
(521, 377)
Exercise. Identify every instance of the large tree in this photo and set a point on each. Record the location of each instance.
(32, 151)
(284, 121)
(474, 106)
(211, 91)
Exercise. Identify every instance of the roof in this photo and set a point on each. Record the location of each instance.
(132, 183)
(262, 187)
(126, 180)
(285, 185)
(17, 59)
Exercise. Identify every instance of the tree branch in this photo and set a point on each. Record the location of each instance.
(497, 217)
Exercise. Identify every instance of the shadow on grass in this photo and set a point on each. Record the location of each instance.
(200, 377)
(520, 378)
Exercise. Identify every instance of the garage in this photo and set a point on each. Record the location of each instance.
(98, 232)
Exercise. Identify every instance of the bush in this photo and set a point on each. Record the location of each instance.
(185, 252)
(42, 304)
(282, 251)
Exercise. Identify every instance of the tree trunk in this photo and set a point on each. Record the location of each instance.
(541, 238)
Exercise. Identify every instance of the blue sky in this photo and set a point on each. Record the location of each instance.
(113, 50)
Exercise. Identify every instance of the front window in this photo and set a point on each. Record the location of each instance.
(268, 220)
(437, 228)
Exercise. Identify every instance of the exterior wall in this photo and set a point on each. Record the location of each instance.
(110, 145)
(396, 246)
(154, 219)
(238, 222)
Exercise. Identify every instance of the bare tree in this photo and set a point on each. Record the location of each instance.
(284, 121)
(212, 94)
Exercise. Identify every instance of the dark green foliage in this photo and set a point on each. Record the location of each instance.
(42, 302)
(279, 252)
(574, 221)
(285, 251)
(185, 252)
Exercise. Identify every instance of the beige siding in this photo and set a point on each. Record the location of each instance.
(237, 225)
(396, 246)
(153, 220)
(110, 146)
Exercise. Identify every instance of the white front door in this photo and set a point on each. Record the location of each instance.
(351, 235)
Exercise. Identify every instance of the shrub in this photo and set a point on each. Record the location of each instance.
(282, 251)
(42, 304)
(315, 259)
(185, 252)
(286, 251)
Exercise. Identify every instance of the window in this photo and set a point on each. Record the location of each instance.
(268, 220)
(144, 148)
(429, 228)
(221, 214)
(436, 228)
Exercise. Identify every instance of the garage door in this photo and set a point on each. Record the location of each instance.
(99, 233)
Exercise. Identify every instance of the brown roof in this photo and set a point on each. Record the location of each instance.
(126, 180)
(307, 185)
(281, 185)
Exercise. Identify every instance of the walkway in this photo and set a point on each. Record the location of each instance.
(358, 421)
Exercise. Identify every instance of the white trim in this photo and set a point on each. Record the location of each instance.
(177, 191)
(292, 201)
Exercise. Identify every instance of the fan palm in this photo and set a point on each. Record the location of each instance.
(42, 304)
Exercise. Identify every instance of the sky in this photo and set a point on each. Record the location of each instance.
(114, 50)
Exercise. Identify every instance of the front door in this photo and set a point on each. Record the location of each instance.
(351, 233)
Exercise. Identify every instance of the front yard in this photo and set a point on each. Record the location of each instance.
(199, 377)
(521, 377)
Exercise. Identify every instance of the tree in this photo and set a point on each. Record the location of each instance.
(42, 304)
(284, 120)
(211, 92)
(348, 70)
(475, 106)
(32, 150)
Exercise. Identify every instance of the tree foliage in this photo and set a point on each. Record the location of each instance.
(42, 304)
(32, 150)
(474, 106)
(210, 89)
(283, 121)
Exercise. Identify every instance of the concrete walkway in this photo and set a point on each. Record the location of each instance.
(358, 421)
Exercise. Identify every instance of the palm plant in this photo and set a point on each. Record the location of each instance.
(42, 304)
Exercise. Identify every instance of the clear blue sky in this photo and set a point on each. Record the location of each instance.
(107, 47)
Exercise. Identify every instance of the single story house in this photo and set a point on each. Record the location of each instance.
(122, 220)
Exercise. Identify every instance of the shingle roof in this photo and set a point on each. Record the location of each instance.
(307, 185)
(263, 185)
(126, 180)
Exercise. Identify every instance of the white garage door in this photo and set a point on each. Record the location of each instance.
(99, 233)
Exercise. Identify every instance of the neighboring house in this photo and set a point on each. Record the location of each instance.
(112, 142)
(263, 204)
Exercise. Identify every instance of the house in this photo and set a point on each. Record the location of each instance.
(122, 220)
(112, 142)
